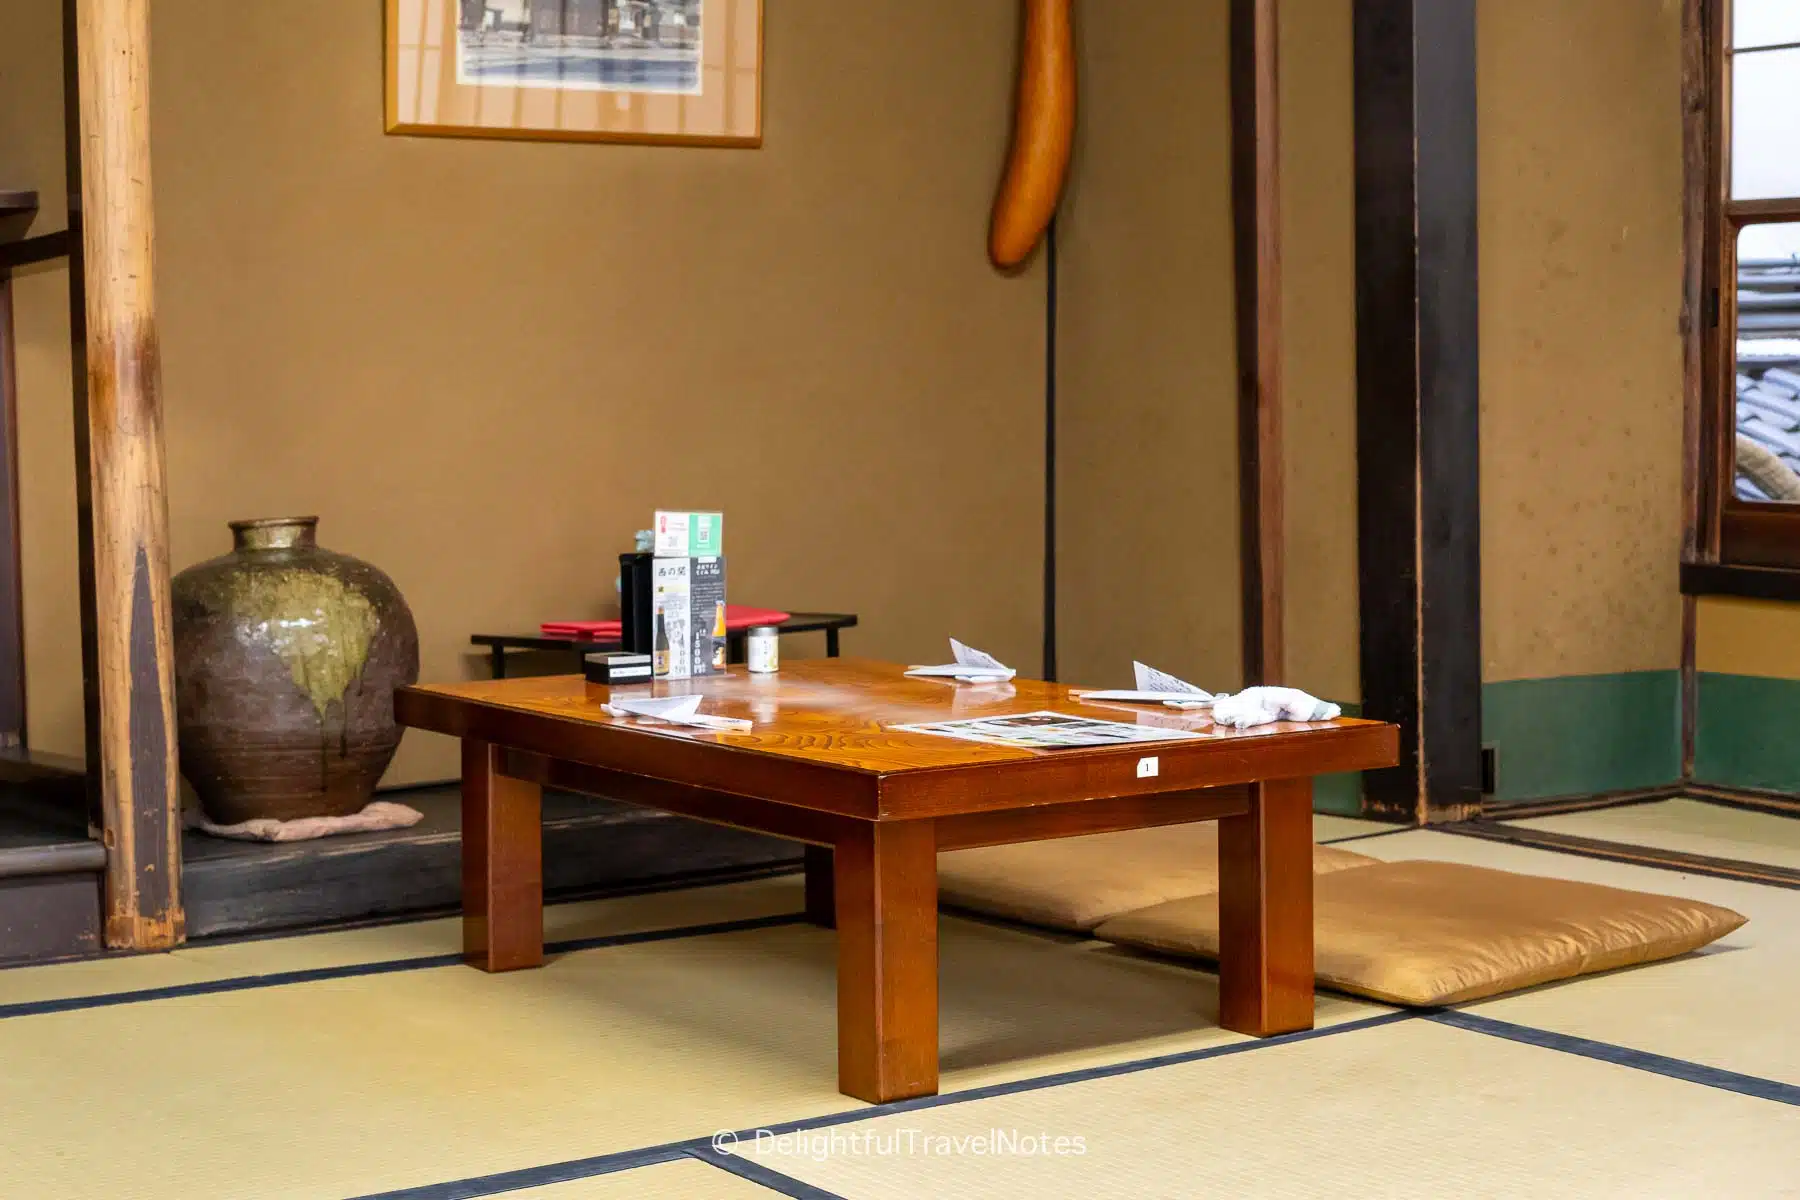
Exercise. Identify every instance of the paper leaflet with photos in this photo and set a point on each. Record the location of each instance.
(1050, 731)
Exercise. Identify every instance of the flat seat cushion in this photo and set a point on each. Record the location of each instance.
(1430, 933)
(1077, 882)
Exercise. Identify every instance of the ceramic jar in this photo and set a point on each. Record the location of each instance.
(286, 660)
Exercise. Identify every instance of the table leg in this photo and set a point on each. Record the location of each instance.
(831, 643)
(888, 962)
(497, 660)
(1266, 911)
(502, 864)
(821, 890)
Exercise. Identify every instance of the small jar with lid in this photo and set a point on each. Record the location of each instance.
(762, 649)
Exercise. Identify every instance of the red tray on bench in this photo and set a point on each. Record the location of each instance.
(737, 616)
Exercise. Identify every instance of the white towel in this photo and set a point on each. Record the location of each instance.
(1266, 705)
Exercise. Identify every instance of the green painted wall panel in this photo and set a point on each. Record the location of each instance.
(1749, 732)
(1582, 734)
(1340, 794)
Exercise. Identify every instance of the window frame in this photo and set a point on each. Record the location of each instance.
(1733, 531)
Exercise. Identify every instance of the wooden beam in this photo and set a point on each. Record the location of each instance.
(1256, 217)
(1706, 97)
(139, 794)
(1418, 392)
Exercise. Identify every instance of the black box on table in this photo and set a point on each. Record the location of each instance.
(613, 668)
(636, 613)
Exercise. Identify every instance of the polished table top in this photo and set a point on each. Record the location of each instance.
(827, 723)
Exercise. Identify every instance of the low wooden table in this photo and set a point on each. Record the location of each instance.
(875, 806)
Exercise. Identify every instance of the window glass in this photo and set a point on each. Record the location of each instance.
(1764, 23)
(1765, 124)
(1768, 364)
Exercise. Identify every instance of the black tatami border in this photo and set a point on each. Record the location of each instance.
(245, 983)
(1379, 833)
(703, 1147)
(1736, 870)
(768, 1177)
(706, 1149)
(1623, 1056)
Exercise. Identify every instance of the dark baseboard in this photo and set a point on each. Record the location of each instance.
(1642, 856)
(1782, 804)
(1555, 806)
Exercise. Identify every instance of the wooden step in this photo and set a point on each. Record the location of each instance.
(49, 917)
(591, 846)
(51, 874)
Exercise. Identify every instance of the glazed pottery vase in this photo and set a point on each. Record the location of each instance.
(286, 660)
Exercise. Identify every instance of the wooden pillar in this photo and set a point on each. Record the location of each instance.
(1256, 215)
(132, 663)
(1417, 401)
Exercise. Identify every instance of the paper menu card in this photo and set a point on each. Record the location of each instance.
(1154, 687)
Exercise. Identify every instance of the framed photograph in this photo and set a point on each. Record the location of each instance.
(662, 71)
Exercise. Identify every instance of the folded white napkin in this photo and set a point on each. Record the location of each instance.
(675, 710)
(1266, 705)
(971, 666)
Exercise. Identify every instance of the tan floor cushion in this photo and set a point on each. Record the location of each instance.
(1076, 883)
(1427, 933)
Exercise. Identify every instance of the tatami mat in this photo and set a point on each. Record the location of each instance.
(1413, 1109)
(384, 943)
(1730, 1006)
(683, 1179)
(352, 1084)
(357, 1084)
(1690, 826)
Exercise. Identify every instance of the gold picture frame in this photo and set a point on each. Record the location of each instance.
(667, 72)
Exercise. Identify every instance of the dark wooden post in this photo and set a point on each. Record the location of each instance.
(1256, 215)
(1417, 401)
(12, 616)
(1699, 137)
(132, 664)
